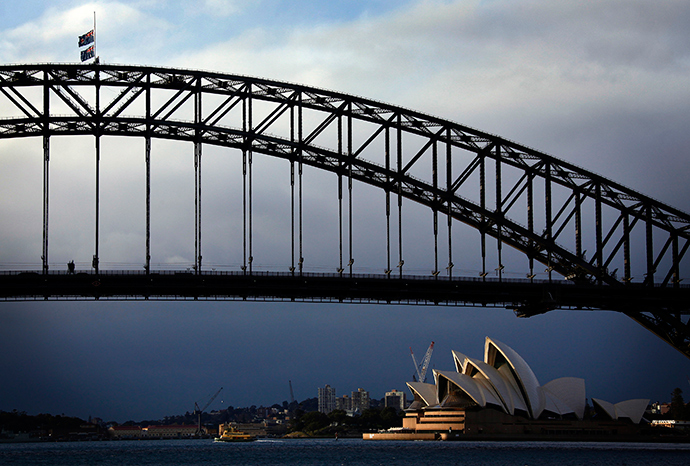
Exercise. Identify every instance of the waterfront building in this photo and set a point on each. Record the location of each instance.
(673, 424)
(171, 431)
(124, 432)
(326, 399)
(661, 408)
(501, 397)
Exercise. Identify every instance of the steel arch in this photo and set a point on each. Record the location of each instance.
(220, 109)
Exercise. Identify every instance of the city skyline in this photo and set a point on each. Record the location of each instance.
(601, 85)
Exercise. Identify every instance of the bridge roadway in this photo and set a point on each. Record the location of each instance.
(661, 309)
(526, 297)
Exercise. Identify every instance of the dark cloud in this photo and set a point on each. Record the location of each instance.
(600, 84)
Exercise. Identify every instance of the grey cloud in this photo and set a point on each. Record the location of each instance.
(601, 84)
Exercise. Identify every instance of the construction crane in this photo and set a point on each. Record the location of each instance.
(198, 410)
(421, 368)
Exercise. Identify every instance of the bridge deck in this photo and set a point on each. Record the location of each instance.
(529, 297)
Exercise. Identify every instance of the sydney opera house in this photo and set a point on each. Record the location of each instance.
(501, 397)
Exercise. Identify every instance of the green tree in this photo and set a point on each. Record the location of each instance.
(677, 410)
(314, 421)
(311, 422)
(338, 416)
(390, 418)
(370, 420)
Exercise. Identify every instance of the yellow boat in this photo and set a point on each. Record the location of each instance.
(231, 434)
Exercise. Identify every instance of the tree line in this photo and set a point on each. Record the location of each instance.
(679, 410)
(318, 424)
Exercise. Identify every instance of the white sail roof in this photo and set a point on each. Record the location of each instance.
(488, 392)
(497, 383)
(505, 380)
(632, 409)
(568, 395)
(524, 377)
(554, 405)
(460, 360)
(607, 407)
(461, 381)
(425, 391)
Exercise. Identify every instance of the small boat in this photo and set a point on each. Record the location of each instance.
(231, 434)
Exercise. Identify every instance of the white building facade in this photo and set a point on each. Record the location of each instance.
(326, 399)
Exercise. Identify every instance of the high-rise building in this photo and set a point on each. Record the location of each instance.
(395, 399)
(344, 403)
(360, 400)
(326, 399)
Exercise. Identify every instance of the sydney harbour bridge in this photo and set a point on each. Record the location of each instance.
(455, 211)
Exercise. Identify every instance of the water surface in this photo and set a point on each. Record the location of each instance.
(342, 452)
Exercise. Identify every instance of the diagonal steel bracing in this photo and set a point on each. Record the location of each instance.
(580, 226)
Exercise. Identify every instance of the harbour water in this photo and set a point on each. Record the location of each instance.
(342, 452)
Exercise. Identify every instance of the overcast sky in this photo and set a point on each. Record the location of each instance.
(601, 84)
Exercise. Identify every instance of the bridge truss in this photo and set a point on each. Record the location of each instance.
(549, 210)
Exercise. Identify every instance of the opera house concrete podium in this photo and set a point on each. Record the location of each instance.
(500, 397)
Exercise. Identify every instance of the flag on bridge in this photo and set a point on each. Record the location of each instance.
(86, 38)
(88, 53)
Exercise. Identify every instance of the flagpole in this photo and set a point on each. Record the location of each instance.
(96, 257)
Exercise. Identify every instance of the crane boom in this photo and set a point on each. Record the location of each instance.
(201, 410)
(425, 362)
(416, 366)
(422, 368)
